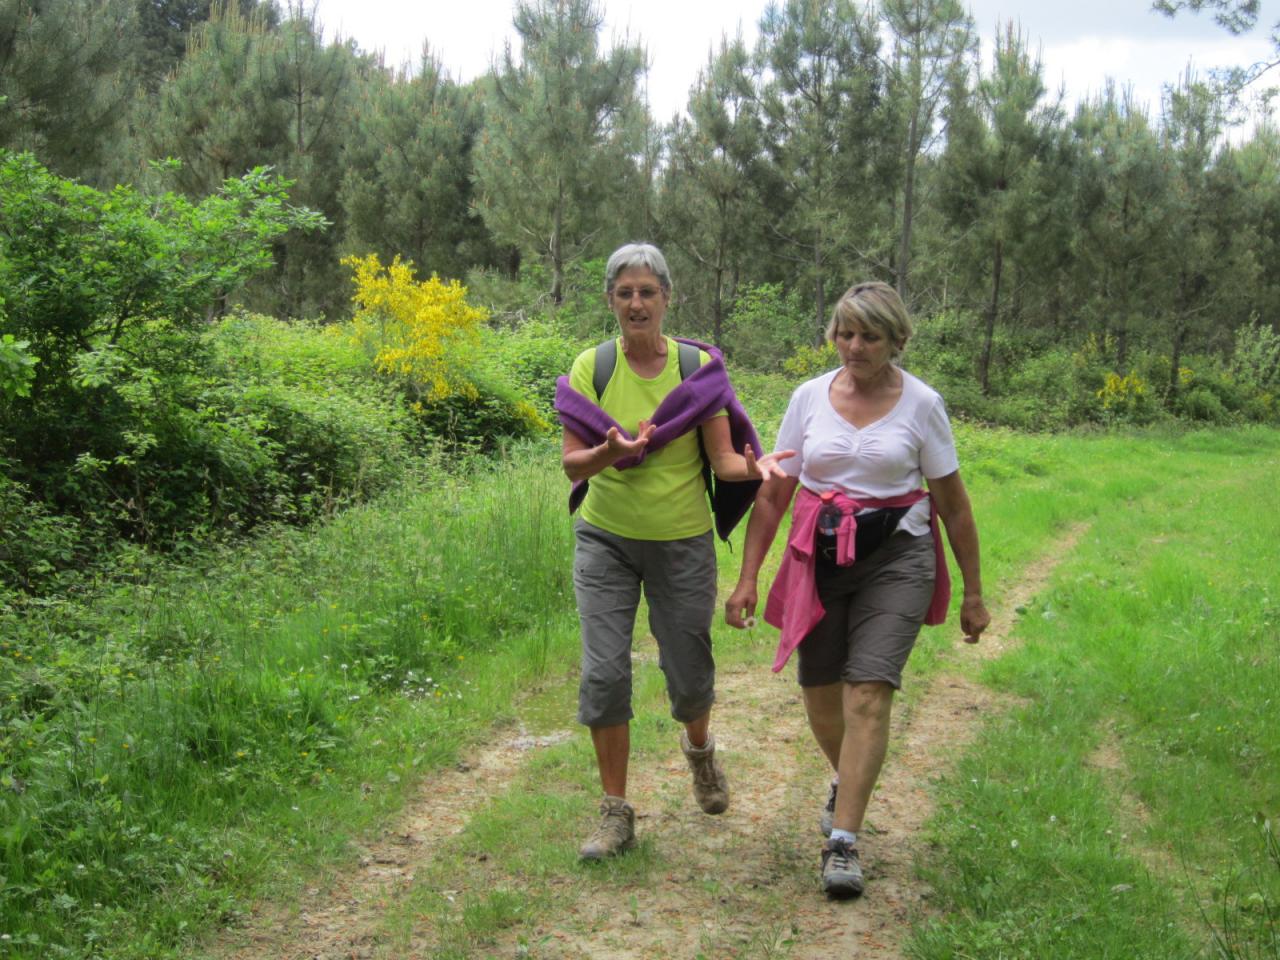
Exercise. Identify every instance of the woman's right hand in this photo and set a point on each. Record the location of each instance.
(619, 446)
(740, 608)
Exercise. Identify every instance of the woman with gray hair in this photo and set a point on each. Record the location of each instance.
(644, 415)
(864, 566)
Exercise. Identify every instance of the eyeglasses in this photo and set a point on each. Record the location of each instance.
(646, 293)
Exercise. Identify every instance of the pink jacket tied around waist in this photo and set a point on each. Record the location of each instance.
(793, 605)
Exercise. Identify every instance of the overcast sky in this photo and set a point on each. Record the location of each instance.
(1082, 42)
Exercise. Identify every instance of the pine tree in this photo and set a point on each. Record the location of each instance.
(1211, 265)
(407, 188)
(710, 199)
(930, 39)
(219, 113)
(824, 136)
(1121, 212)
(556, 168)
(313, 81)
(64, 80)
(999, 190)
(164, 26)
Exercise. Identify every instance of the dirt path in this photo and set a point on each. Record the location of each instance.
(740, 885)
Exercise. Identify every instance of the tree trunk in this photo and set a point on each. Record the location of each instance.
(820, 293)
(1175, 362)
(300, 100)
(984, 364)
(908, 215)
(557, 252)
(717, 308)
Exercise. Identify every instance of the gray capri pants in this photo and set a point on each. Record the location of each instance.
(679, 580)
(874, 611)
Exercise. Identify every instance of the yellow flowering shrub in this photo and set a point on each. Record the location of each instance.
(427, 336)
(1127, 396)
(415, 330)
(810, 361)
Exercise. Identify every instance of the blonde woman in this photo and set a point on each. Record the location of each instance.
(864, 567)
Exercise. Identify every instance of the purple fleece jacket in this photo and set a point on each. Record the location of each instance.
(706, 392)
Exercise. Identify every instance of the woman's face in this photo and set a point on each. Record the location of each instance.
(639, 302)
(865, 351)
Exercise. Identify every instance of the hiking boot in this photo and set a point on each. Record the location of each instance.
(710, 786)
(828, 812)
(615, 832)
(841, 872)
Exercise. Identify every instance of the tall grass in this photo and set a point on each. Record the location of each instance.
(165, 744)
(1106, 817)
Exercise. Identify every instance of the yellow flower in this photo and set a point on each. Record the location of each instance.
(410, 327)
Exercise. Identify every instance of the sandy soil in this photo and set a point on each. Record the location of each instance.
(744, 884)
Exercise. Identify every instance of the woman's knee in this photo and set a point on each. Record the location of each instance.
(868, 700)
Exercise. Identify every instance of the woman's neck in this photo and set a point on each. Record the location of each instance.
(643, 348)
(883, 380)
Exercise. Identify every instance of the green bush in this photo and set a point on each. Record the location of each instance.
(334, 432)
(252, 421)
(1201, 403)
(325, 449)
(808, 362)
(1255, 361)
(766, 326)
(114, 411)
(316, 357)
(1043, 393)
(943, 349)
(1209, 375)
(497, 412)
(37, 545)
(532, 357)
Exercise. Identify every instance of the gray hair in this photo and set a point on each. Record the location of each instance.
(874, 306)
(631, 255)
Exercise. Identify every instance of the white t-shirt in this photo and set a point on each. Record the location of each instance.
(885, 459)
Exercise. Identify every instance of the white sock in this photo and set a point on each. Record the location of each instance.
(838, 834)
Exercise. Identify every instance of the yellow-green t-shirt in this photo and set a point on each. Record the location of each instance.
(664, 497)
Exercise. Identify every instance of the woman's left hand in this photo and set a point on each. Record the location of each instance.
(767, 466)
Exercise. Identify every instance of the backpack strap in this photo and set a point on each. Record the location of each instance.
(690, 360)
(607, 358)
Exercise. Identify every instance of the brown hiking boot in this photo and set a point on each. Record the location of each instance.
(710, 786)
(841, 871)
(615, 832)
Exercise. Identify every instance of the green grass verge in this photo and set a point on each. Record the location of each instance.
(174, 748)
(1156, 645)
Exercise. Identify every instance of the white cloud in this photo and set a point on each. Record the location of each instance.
(1147, 65)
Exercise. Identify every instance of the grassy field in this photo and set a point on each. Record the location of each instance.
(1125, 810)
(177, 748)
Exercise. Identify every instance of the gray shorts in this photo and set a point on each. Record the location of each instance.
(874, 611)
(679, 581)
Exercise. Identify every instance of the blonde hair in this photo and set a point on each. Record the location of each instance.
(873, 305)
